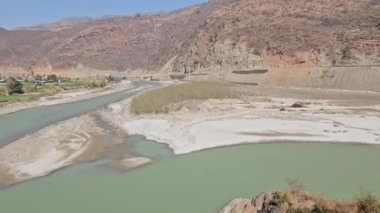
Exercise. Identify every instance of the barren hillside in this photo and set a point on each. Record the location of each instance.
(318, 32)
(116, 43)
(221, 34)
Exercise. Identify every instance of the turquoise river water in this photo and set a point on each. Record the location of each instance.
(15, 125)
(199, 182)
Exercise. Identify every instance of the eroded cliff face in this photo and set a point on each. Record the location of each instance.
(248, 33)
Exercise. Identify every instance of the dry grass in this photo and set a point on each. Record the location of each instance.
(2, 91)
(296, 200)
(161, 100)
(300, 201)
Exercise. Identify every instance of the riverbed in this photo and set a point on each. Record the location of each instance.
(199, 182)
(18, 124)
(39, 140)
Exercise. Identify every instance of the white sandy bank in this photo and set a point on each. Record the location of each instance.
(216, 133)
(47, 150)
(230, 122)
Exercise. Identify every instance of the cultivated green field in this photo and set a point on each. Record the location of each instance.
(160, 100)
(34, 91)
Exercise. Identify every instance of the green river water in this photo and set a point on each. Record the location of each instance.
(15, 125)
(199, 182)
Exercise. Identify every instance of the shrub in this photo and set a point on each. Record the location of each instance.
(52, 77)
(112, 79)
(96, 84)
(368, 204)
(160, 100)
(3, 91)
(321, 208)
(14, 86)
(279, 198)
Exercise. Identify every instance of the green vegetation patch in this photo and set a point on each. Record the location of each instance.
(34, 91)
(18, 97)
(161, 100)
(82, 84)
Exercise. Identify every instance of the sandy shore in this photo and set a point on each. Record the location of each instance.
(262, 117)
(213, 123)
(47, 150)
(65, 97)
(59, 145)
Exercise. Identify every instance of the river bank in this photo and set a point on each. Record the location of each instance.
(59, 135)
(210, 179)
(267, 115)
(47, 150)
(65, 97)
(257, 118)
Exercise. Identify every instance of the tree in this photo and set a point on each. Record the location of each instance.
(38, 77)
(110, 78)
(14, 86)
(52, 77)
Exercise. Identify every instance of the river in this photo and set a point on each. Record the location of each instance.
(198, 182)
(15, 125)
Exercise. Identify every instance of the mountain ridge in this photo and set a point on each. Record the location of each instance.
(218, 35)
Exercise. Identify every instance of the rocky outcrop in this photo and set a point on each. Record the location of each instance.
(257, 204)
(266, 202)
(296, 200)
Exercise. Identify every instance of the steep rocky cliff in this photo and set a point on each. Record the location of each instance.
(249, 33)
(218, 36)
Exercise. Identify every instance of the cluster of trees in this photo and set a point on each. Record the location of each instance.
(14, 86)
(40, 78)
(53, 78)
(111, 78)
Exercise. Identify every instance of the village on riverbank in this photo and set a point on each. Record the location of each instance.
(33, 87)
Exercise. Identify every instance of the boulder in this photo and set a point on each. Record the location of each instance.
(297, 105)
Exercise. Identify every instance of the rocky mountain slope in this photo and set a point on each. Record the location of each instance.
(220, 34)
(60, 25)
(319, 32)
(298, 201)
(117, 43)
